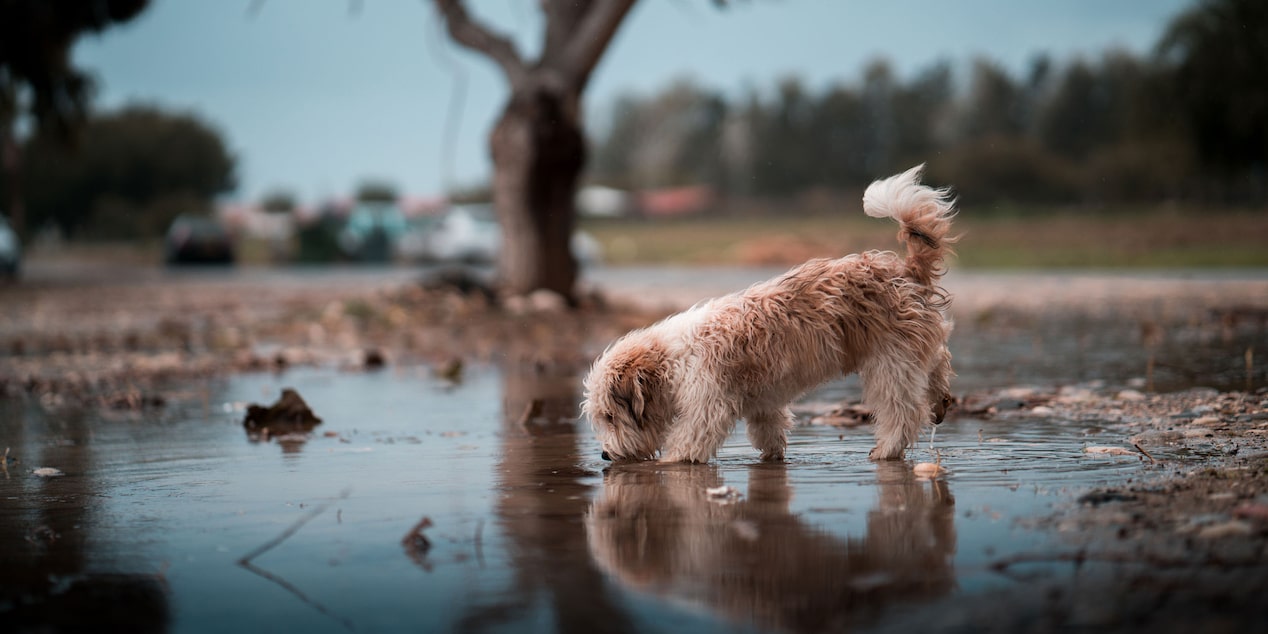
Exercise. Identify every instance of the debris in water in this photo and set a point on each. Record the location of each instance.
(290, 409)
(451, 371)
(416, 544)
(723, 494)
(930, 469)
(373, 359)
(1112, 451)
(47, 472)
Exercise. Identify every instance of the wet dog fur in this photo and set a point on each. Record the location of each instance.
(678, 387)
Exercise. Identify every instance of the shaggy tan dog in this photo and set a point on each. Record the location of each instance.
(679, 386)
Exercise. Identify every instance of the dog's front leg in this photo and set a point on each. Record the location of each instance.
(704, 418)
(896, 391)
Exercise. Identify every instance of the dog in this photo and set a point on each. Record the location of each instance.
(679, 386)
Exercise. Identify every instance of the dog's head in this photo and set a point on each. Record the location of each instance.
(940, 397)
(627, 402)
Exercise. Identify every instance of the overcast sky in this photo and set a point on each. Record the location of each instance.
(316, 96)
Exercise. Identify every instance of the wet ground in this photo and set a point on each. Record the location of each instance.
(481, 504)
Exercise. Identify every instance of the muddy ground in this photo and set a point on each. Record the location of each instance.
(1188, 542)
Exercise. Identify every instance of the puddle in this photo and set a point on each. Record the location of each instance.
(529, 529)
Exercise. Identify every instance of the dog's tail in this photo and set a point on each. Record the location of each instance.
(924, 215)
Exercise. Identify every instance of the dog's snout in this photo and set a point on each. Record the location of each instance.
(605, 456)
(940, 410)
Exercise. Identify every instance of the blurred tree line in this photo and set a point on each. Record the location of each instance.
(1187, 122)
(38, 83)
(128, 174)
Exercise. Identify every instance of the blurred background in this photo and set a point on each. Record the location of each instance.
(1076, 134)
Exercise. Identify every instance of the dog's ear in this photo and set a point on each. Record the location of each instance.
(628, 393)
(633, 386)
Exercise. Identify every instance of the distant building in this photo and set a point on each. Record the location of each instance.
(676, 201)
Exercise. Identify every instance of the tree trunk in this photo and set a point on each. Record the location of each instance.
(538, 153)
(11, 157)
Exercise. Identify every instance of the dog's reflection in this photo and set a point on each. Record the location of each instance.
(656, 530)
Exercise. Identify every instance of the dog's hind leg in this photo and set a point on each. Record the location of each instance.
(768, 432)
(895, 389)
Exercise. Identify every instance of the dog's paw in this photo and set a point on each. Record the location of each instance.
(772, 456)
(876, 454)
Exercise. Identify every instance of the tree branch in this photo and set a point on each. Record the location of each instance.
(591, 39)
(477, 37)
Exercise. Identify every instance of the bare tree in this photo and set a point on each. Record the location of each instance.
(538, 144)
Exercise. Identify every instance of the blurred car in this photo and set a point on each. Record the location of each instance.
(198, 240)
(10, 250)
(471, 234)
(372, 230)
(465, 233)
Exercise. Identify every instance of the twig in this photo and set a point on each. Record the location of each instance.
(1142, 450)
(479, 541)
(299, 594)
(1079, 557)
(290, 530)
(245, 562)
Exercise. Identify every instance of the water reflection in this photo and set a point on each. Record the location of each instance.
(655, 530)
(290, 436)
(47, 580)
(543, 495)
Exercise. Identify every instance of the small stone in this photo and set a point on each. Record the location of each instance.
(47, 472)
(1130, 395)
(1234, 528)
(1257, 511)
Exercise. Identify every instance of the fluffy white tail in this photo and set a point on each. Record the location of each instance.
(924, 214)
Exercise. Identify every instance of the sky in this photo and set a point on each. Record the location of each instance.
(315, 97)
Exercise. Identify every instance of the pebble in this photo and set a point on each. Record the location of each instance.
(1131, 395)
(1234, 528)
(1253, 511)
(47, 472)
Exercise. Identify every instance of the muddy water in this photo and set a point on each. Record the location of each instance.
(177, 519)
